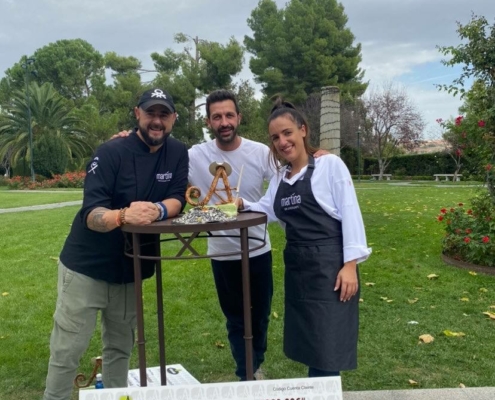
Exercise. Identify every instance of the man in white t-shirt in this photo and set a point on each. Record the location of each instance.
(223, 119)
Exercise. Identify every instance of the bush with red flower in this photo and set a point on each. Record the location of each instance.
(470, 232)
(67, 180)
(468, 138)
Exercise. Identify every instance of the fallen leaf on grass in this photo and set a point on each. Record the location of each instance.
(361, 300)
(54, 258)
(5, 294)
(453, 334)
(490, 315)
(492, 307)
(370, 284)
(464, 299)
(384, 298)
(483, 290)
(462, 385)
(389, 301)
(219, 344)
(472, 273)
(412, 301)
(413, 322)
(275, 315)
(426, 338)
(432, 276)
(411, 382)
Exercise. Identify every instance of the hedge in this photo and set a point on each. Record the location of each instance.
(406, 165)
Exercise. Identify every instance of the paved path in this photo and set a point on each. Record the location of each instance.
(41, 207)
(484, 393)
(42, 191)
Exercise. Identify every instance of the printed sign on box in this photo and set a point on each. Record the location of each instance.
(176, 374)
(328, 388)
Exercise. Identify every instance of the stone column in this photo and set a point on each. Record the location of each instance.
(330, 119)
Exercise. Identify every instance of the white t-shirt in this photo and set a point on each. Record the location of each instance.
(334, 191)
(257, 168)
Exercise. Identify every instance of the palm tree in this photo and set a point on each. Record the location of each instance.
(51, 122)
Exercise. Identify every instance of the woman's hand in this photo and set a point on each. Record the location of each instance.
(239, 203)
(121, 134)
(347, 281)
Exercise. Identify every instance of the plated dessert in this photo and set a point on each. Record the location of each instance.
(206, 214)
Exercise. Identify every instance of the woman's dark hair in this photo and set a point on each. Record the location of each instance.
(282, 108)
(218, 96)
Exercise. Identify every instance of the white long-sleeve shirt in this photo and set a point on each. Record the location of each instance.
(334, 191)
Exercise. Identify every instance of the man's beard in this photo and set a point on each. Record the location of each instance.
(223, 139)
(146, 135)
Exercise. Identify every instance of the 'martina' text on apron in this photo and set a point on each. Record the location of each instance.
(293, 200)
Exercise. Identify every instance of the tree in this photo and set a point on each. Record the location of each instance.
(311, 109)
(5, 163)
(97, 123)
(72, 66)
(477, 55)
(50, 117)
(391, 122)
(253, 124)
(455, 143)
(303, 47)
(202, 67)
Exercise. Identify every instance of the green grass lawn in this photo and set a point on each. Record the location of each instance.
(405, 237)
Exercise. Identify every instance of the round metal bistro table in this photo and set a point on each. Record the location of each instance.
(186, 234)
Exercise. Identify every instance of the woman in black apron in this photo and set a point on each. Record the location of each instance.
(321, 287)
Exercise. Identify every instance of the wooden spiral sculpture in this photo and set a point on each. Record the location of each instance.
(80, 380)
(219, 171)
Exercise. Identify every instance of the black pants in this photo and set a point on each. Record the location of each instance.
(228, 281)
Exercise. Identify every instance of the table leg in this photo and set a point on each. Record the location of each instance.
(246, 298)
(159, 309)
(136, 248)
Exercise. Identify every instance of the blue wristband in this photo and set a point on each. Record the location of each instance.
(160, 211)
(163, 211)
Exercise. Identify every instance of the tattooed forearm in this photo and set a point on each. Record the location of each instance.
(96, 221)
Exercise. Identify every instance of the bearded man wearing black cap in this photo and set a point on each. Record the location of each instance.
(136, 180)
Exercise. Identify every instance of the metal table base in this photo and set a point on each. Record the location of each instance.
(196, 231)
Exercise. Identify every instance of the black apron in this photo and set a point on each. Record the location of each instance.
(319, 330)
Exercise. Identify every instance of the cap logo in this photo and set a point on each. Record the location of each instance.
(158, 93)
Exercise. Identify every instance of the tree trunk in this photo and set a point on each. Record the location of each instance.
(192, 121)
(381, 168)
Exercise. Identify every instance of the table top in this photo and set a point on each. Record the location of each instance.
(243, 220)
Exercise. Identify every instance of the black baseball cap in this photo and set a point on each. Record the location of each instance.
(156, 96)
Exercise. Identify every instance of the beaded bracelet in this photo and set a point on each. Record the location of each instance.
(122, 216)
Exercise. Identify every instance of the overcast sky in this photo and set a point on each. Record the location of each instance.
(398, 37)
